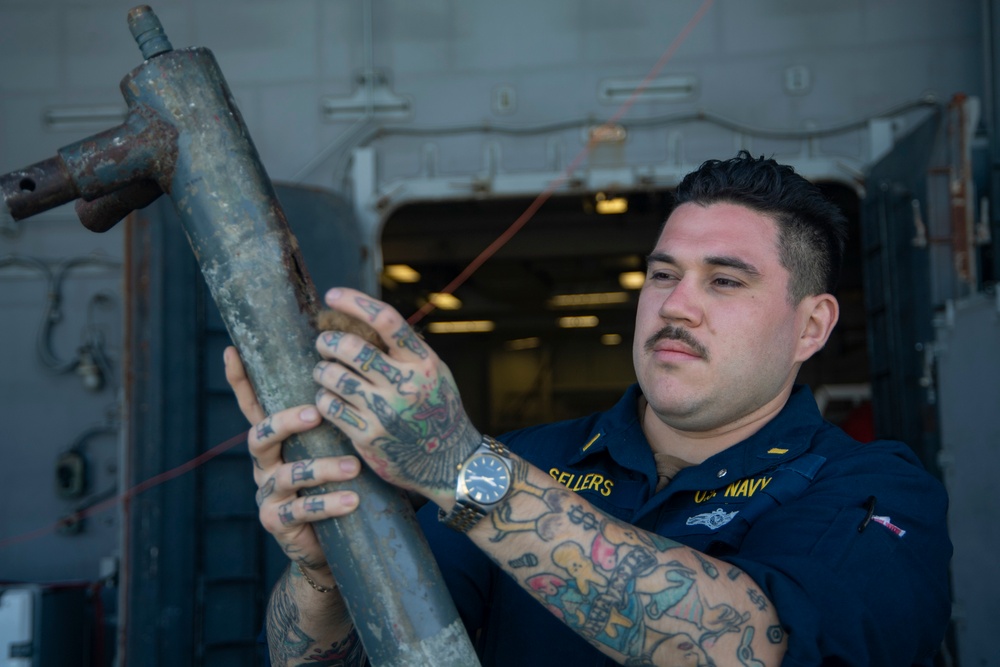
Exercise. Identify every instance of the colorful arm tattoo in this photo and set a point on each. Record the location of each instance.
(632, 593)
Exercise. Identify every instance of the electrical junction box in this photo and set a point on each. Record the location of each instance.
(43, 627)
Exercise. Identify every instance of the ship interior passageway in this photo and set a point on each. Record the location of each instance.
(542, 331)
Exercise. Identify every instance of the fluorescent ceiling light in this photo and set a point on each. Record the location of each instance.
(605, 205)
(632, 279)
(523, 343)
(468, 326)
(590, 299)
(402, 273)
(445, 301)
(579, 322)
(611, 339)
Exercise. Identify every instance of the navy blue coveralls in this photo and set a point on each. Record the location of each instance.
(855, 581)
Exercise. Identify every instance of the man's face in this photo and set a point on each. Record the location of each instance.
(716, 339)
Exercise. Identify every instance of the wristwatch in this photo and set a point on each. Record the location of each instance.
(483, 483)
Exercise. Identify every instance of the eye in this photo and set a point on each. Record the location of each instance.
(726, 282)
(660, 275)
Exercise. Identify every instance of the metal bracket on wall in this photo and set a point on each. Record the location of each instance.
(372, 98)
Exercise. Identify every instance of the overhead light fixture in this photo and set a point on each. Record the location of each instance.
(579, 322)
(632, 279)
(467, 326)
(605, 205)
(611, 339)
(445, 301)
(523, 343)
(402, 273)
(589, 299)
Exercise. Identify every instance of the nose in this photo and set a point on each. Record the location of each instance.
(683, 303)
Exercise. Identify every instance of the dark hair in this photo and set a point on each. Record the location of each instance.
(812, 230)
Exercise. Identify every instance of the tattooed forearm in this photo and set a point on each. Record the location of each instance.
(527, 560)
(757, 598)
(644, 599)
(347, 653)
(291, 645)
(745, 652)
(285, 639)
(706, 566)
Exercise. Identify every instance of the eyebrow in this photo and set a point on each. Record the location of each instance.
(711, 260)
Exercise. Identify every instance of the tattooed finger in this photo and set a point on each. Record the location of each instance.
(264, 429)
(385, 319)
(304, 510)
(339, 412)
(264, 492)
(276, 428)
(407, 339)
(339, 379)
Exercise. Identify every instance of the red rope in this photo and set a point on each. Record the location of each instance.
(131, 493)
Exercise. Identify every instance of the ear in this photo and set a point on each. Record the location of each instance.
(818, 315)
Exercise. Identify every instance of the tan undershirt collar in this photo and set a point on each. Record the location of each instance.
(667, 465)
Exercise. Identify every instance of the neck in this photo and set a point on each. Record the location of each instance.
(694, 447)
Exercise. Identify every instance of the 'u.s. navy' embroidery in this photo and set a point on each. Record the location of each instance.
(715, 519)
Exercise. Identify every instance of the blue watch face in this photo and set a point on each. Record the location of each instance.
(486, 479)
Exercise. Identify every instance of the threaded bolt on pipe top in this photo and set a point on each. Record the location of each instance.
(148, 32)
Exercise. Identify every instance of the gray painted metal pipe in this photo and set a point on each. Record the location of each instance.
(185, 137)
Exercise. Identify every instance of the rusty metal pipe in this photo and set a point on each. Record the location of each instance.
(185, 137)
(38, 187)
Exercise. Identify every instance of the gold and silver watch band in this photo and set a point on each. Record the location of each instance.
(462, 517)
(467, 512)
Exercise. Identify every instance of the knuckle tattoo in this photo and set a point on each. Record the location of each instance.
(285, 513)
(265, 429)
(313, 505)
(302, 471)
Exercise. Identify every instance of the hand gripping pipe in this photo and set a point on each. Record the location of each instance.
(185, 137)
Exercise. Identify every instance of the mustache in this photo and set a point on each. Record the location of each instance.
(671, 332)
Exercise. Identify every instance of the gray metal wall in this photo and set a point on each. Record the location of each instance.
(456, 63)
(969, 383)
(45, 413)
